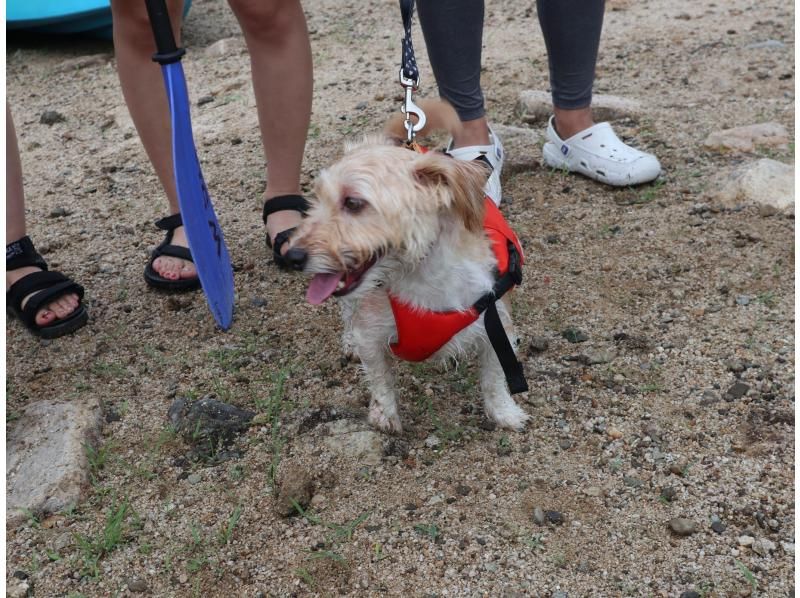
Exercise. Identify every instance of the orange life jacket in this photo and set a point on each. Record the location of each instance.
(422, 332)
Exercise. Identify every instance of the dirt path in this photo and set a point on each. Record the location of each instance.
(680, 302)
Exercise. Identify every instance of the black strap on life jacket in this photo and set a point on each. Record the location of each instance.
(512, 368)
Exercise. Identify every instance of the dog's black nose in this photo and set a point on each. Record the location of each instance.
(296, 258)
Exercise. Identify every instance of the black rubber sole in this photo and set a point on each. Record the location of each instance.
(77, 320)
(159, 283)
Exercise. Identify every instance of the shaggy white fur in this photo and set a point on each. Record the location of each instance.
(390, 220)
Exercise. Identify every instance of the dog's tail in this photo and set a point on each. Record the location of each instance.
(441, 116)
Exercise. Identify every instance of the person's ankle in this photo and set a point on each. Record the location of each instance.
(472, 132)
(569, 123)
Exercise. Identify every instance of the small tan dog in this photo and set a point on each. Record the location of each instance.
(393, 230)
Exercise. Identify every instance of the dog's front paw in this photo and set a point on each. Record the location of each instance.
(387, 422)
(509, 415)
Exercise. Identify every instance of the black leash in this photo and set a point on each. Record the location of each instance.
(409, 76)
(407, 60)
(409, 79)
(512, 368)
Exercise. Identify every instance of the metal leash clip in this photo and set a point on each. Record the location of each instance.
(410, 108)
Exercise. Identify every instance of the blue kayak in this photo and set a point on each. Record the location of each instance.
(88, 17)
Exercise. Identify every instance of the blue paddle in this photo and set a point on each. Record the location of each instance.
(203, 232)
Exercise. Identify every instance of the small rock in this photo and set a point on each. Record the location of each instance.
(354, 440)
(539, 344)
(559, 594)
(737, 391)
(205, 100)
(534, 106)
(554, 517)
(463, 490)
(397, 447)
(593, 491)
(762, 183)
(297, 485)
(564, 444)
(573, 335)
(51, 117)
(742, 300)
(598, 356)
(682, 526)
(539, 516)
(788, 547)
(745, 540)
(632, 482)
(59, 212)
(19, 589)
(194, 478)
(258, 302)
(718, 527)
(614, 434)
(680, 466)
(432, 441)
(735, 365)
(763, 546)
(745, 139)
(208, 424)
(137, 585)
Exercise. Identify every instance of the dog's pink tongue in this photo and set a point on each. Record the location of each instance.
(322, 286)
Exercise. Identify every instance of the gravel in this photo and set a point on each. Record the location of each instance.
(652, 290)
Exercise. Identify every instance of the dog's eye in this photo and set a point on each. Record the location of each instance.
(354, 204)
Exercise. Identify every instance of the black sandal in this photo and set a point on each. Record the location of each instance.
(298, 203)
(153, 278)
(44, 287)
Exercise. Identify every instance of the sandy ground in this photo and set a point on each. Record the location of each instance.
(680, 303)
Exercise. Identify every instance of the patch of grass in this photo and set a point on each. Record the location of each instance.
(108, 371)
(748, 575)
(651, 388)
(768, 298)
(273, 406)
(112, 535)
(306, 577)
(615, 464)
(445, 432)
(428, 529)
(533, 542)
(97, 458)
(340, 532)
(33, 518)
(227, 532)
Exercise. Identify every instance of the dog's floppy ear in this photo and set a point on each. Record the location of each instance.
(464, 181)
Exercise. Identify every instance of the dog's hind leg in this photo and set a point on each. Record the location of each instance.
(497, 401)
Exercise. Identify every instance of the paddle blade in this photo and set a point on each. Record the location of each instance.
(203, 232)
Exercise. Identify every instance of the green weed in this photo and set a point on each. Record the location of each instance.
(94, 549)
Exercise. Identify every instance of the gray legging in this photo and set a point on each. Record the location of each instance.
(453, 31)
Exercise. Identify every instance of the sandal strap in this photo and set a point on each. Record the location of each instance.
(170, 223)
(22, 253)
(297, 203)
(281, 239)
(45, 287)
(172, 251)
